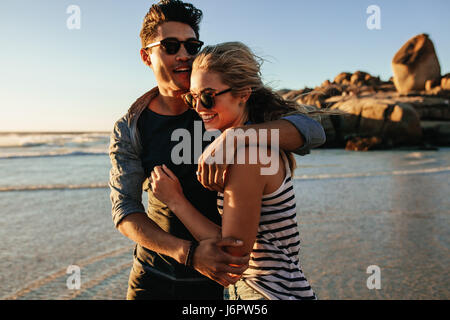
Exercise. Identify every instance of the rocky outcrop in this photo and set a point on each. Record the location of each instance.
(415, 64)
(445, 82)
(374, 115)
(410, 109)
(390, 121)
(437, 132)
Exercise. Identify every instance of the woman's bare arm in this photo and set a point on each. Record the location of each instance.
(166, 187)
(244, 188)
(242, 204)
(198, 225)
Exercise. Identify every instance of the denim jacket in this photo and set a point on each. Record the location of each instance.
(127, 175)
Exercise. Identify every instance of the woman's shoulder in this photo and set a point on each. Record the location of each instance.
(259, 166)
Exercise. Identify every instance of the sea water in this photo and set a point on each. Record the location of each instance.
(356, 210)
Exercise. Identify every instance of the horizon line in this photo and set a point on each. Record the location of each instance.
(52, 132)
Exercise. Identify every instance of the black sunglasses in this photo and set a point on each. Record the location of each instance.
(206, 98)
(172, 45)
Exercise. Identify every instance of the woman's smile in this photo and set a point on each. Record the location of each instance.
(207, 117)
(225, 111)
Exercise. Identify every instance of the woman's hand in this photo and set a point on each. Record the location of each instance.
(212, 163)
(165, 186)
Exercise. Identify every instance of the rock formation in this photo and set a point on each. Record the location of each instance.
(410, 109)
(415, 64)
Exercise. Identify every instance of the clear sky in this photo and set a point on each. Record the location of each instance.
(56, 79)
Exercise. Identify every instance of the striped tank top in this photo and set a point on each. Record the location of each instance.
(274, 267)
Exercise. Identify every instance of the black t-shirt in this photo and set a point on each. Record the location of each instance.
(156, 137)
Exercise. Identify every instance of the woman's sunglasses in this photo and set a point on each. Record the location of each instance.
(206, 98)
(172, 45)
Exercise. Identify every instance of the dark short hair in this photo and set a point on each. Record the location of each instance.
(169, 10)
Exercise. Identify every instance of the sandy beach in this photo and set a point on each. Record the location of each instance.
(383, 208)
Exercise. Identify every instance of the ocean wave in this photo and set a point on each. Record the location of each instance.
(59, 153)
(371, 174)
(30, 140)
(55, 187)
(303, 177)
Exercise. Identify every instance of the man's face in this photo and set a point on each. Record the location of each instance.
(172, 72)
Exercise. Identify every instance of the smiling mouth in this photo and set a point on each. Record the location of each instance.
(182, 70)
(207, 117)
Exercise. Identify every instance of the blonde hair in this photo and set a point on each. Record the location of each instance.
(240, 69)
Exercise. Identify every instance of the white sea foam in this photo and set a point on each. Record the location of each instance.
(372, 174)
(27, 140)
(54, 187)
(303, 177)
(55, 153)
(415, 155)
(30, 145)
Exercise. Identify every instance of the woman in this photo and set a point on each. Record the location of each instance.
(227, 92)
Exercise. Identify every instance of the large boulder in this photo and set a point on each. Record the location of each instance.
(445, 82)
(343, 78)
(363, 144)
(436, 132)
(429, 108)
(361, 78)
(375, 116)
(414, 64)
(394, 123)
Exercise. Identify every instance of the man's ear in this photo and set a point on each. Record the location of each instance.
(145, 57)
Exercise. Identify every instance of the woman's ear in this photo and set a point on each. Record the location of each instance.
(245, 94)
(145, 57)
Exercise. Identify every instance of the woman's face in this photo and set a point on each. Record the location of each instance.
(228, 111)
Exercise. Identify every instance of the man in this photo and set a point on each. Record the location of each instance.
(168, 263)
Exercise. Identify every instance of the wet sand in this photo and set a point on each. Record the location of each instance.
(395, 217)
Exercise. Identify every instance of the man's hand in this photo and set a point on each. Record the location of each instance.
(212, 261)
